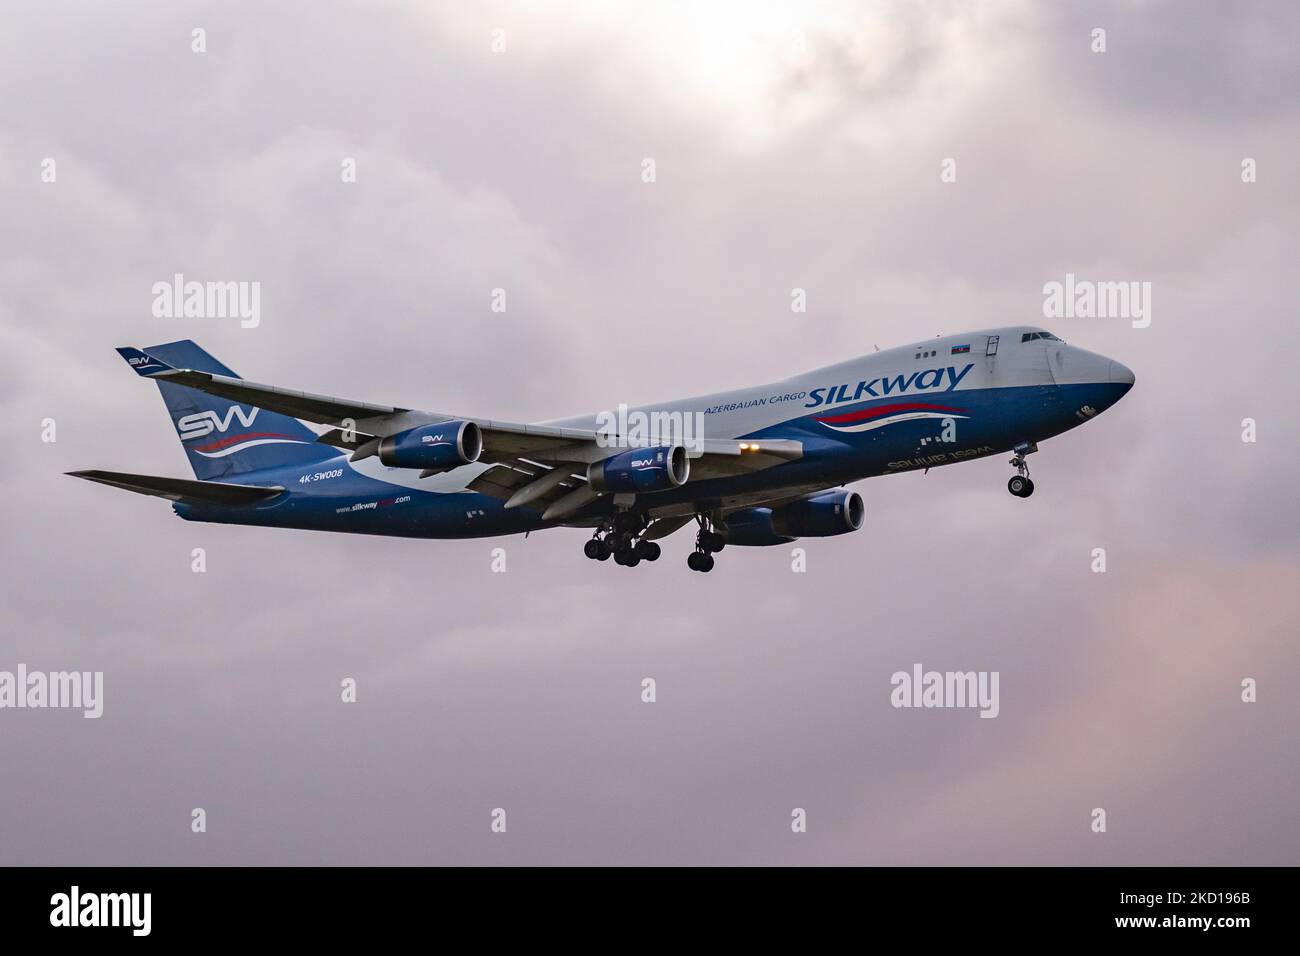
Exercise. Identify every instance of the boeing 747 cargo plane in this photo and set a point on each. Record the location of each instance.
(757, 466)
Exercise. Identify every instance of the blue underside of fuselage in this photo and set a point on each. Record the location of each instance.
(981, 422)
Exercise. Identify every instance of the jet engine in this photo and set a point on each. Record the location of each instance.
(433, 447)
(817, 516)
(641, 470)
(820, 516)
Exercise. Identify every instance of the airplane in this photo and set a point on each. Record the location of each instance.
(761, 466)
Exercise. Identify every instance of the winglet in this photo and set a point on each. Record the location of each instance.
(144, 364)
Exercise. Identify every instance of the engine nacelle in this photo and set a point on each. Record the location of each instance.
(820, 516)
(752, 528)
(640, 470)
(436, 447)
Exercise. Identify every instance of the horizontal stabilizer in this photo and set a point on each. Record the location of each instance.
(184, 490)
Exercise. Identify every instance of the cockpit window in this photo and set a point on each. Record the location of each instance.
(1030, 336)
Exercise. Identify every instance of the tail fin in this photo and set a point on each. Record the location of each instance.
(221, 438)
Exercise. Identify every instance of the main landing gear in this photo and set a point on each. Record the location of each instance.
(1021, 485)
(707, 543)
(619, 537)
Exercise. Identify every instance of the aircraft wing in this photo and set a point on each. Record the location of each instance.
(323, 409)
(524, 453)
(502, 440)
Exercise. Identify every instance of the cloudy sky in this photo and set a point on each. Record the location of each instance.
(795, 146)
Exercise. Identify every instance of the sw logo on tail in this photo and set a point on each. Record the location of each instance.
(205, 422)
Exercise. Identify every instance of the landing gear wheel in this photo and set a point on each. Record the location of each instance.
(712, 541)
(648, 550)
(1020, 486)
(700, 561)
(1029, 488)
(595, 549)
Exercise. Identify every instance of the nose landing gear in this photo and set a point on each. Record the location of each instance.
(1021, 485)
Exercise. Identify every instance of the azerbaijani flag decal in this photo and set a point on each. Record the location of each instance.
(960, 349)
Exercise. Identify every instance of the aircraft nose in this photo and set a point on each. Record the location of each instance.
(1121, 374)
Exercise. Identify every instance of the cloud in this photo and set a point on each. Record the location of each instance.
(793, 149)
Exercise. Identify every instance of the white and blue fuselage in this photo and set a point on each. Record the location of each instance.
(942, 401)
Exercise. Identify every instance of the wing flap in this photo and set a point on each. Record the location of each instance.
(507, 479)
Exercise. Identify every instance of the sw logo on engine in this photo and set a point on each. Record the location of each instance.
(204, 423)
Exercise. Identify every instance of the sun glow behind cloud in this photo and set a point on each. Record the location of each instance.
(756, 72)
